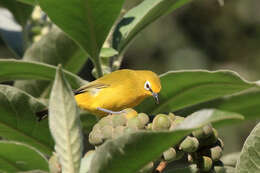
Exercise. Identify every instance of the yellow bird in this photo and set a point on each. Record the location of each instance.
(116, 91)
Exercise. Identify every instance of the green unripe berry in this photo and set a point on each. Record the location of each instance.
(107, 131)
(208, 130)
(144, 118)
(189, 144)
(149, 126)
(161, 122)
(177, 120)
(96, 127)
(193, 157)
(106, 121)
(198, 133)
(96, 137)
(212, 139)
(190, 158)
(203, 132)
(170, 154)
(129, 113)
(130, 130)
(215, 132)
(118, 131)
(205, 164)
(135, 123)
(118, 120)
(171, 116)
(215, 153)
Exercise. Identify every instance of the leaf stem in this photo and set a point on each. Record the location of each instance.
(97, 63)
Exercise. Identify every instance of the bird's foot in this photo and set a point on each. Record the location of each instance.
(109, 111)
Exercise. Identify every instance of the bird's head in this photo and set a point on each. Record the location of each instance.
(151, 84)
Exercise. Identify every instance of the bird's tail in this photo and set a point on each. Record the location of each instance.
(42, 114)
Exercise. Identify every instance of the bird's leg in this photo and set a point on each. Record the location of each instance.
(109, 111)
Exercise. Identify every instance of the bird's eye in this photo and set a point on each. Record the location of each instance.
(147, 86)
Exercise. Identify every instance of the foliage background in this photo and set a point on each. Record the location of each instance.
(200, 35)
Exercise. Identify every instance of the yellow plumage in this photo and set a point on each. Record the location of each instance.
(118, 90)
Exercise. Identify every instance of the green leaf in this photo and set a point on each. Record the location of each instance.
(34, 171)
(181, 89)
(132, 151)
(215, 116)
(57, 48)
(246, 103)
(108, 52)
(54, 48)
(230, 159)
(15, 157)
(20, 10)
(17, 70)
(86, 161)
(18, 121)
(139, 17)
(29, 2)
(249, 160)
(65, 125)
(88, 22)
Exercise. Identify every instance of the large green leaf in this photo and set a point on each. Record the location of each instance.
(132, 151)
(20, 10)
(246, 103)
(17, 70)
(18, 121)
(16, 157)
(249, 161)
(88, 22)
(86, 161)
(186, 88)
(65, 125)
(230, 159)
(29, 2)
(57, 48)
(139, 17)
(54, 48)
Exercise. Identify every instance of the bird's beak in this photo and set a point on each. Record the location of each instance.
(156, 97)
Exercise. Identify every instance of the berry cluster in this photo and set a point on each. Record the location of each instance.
(202, 147)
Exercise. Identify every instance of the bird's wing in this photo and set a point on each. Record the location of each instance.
(90, 87)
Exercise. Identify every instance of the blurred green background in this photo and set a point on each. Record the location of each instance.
(202, 35)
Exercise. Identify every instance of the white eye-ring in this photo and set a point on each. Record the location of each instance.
(147, 85)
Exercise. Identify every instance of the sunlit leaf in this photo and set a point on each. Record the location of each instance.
(65, 125)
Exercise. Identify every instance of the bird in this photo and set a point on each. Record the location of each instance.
(116, 91)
